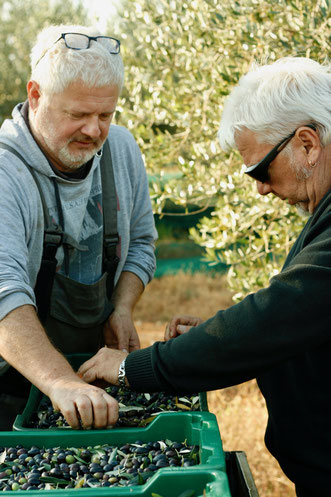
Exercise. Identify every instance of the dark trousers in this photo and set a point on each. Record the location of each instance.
(14, 392)
(303, 492)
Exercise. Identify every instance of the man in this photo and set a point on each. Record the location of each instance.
(279, 118)
(76, 219)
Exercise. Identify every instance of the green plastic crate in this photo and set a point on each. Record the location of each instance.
(205, 483)
(22, 420)
(198, 428)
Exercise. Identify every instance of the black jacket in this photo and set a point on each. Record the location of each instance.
(280, 335)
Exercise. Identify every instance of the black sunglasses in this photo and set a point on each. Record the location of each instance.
(259, 171)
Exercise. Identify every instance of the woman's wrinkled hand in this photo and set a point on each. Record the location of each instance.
(179, 325)
(104, 365)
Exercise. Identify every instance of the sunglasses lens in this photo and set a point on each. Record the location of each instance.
(258, 172)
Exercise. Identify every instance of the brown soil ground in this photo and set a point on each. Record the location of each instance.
(240, 410)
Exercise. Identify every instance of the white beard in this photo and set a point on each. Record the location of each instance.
(70, 160)
(302, 212)
(74, 160)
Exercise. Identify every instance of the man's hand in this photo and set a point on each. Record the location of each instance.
(179, 325)
(83, 405)
(120, 332)
(104, 365)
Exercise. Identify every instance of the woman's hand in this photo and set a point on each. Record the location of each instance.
(104, 365)
(179, 325)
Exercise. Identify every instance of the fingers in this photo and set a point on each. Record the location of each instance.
(94, 365)
(167, 333)
(171, 329)
(111, 342)
(123, 343)
(93, 409)
(89, 375)
(110, 336)
(101, 412)
(84, 409)
(103, 366)
(183, 329)
(104, 411)
(78, 412)
(84, 405)
(179, 325)
(134, 343)
(112, 409)
(188, 320)
(120, 332)
(128, 339)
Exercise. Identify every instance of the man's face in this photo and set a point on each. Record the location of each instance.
(285, 179)
(71, 126)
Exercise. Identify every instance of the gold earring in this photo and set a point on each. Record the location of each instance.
(311, 164)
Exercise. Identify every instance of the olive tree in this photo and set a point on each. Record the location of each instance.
(182, 59)
(21, 20)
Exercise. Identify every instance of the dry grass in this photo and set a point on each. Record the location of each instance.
(184, 294)
(240, 410)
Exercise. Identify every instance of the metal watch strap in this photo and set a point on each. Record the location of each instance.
(121, 374)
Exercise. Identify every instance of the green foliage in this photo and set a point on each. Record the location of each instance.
(182, 59)
(21, 20)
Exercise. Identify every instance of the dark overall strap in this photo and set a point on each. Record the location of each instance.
(53, 238)
(109, 207)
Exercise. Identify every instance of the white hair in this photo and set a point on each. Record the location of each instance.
(274, 100)
(54, 66)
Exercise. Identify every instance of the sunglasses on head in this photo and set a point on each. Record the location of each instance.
(259, 171)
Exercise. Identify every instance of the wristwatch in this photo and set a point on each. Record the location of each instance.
(121, 374)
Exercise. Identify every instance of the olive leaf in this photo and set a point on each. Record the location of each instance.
(130, 408)
(183, 406)
(53, 479)
(3, 456)
(185, 400)
(79, 459)
(112, 456)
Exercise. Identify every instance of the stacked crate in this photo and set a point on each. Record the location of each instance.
(209, 478)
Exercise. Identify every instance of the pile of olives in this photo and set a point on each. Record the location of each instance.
(135, 409)
(35, 468)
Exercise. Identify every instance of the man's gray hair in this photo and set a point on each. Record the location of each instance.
(274, 100)
(54, 67)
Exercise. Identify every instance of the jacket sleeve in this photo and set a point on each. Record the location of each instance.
(289, 317)
(141, 257)
(16, 236)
